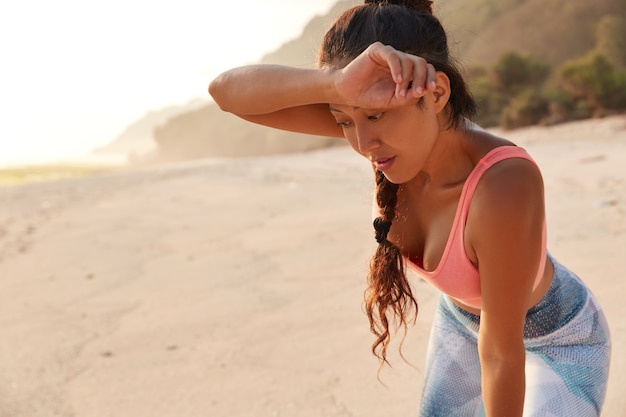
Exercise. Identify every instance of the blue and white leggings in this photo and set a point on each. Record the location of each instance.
(568, 349)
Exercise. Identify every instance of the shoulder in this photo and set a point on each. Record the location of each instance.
(509, 200)
(511, 180)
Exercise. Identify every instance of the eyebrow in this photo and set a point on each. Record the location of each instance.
(339, 111)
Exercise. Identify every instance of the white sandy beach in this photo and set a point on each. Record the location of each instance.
(232, 288)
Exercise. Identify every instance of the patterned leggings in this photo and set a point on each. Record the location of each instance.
(567, 356)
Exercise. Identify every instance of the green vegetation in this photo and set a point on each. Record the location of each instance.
(38, 173)
(595, 81)
(520, 90)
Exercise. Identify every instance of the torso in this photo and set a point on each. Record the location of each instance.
(424, 216)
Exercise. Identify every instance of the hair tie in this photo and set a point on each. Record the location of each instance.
(382, 229)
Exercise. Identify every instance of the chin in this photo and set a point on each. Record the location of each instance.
(396, 179)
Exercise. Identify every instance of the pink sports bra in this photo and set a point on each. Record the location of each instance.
(456, 275)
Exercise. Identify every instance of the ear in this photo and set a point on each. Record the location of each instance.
(441, 94)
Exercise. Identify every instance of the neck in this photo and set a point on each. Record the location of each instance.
(448, 162)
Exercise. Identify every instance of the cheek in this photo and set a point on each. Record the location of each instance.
(425, 132)
(352, 141)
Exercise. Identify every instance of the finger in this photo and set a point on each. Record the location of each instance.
(431, 78)
(420, 77)
(387, 55)
(396, 69)
(408, 65)
(406, 100)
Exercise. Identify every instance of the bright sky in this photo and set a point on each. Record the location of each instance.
(75, 73)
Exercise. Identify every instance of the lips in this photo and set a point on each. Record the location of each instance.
(384, 163)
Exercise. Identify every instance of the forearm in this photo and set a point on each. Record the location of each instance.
(263, 89)
(503, 386)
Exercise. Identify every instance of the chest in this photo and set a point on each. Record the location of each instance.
(423, 224)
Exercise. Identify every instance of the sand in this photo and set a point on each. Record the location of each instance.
(234, 287)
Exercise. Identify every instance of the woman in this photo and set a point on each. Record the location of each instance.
(515, 333)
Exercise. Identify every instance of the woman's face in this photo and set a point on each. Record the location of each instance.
(397, 141)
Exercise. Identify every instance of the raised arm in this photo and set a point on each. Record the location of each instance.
(294, 99)
(297, 99)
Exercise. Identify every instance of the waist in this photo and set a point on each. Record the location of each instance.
(562, 300)
(541, 286)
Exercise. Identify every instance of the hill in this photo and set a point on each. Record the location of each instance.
(480, 32)
(208, 131)
(137, 139)
(551, 30)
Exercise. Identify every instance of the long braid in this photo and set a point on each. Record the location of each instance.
(409, 26)
(388, 296)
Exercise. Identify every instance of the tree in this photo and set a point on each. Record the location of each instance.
(514, 72)
(595, 80)
(529, 107)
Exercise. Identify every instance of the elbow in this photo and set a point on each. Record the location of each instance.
(502, 369)
(501, 362)
(502, 357)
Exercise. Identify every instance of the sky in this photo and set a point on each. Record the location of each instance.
(75, 73)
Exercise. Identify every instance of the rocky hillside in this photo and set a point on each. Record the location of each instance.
(551, 30)
(138, 138)
(208, 131)
(480, 31)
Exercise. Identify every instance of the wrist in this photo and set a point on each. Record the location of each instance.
(330, 88)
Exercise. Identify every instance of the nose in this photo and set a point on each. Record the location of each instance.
(366, 140)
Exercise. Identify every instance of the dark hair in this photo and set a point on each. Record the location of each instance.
(408, 26)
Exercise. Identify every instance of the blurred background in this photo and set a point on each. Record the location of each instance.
(76, 74)
(125, 81)
(232, 285)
